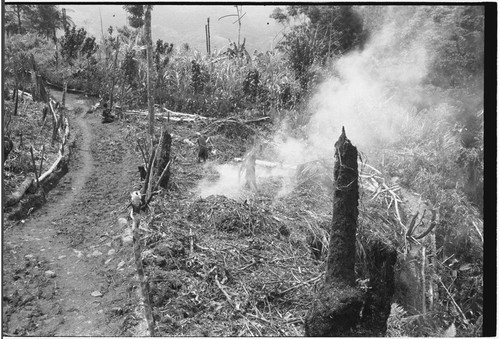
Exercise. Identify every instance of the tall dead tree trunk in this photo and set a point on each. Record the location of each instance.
(149, 74)
(113, 76)
(336, 307)
(164, 158)
(335, 311)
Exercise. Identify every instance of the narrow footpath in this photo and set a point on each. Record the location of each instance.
(65, 270)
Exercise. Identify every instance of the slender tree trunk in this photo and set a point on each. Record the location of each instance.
(65, 89)
(113, 77)
(18, 18)
(16, 101)
(423, 280)
(149, 53)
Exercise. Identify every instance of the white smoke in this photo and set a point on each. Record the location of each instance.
(371, 95)
(227, 184)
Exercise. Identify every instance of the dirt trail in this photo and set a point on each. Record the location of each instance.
(76, 236)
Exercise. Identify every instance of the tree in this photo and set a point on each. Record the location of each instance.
(162, 55)
(75, 46)
(18, 64)
(136, 15)
(13, 16)
(46, 19)
(137, 20)
(316, 33)
(72, 43)
(149, 52)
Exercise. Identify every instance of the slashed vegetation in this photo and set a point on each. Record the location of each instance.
(235, 240)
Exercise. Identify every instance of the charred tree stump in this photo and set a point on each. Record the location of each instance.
(335, 311)
(381, 288)
(164, 158)
(336, 307)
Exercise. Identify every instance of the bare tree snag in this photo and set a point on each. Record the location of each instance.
(149, 73)
(164, 158)
(335, 311)
(336, 307)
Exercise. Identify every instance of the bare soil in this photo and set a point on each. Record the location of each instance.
(65, 272)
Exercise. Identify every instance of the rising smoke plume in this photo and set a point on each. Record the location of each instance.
(373, 94)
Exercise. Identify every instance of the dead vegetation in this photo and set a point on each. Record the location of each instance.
(251, 266)
(35, 163)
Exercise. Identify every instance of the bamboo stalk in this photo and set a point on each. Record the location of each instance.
(453, 301)
(422, 272)
(158, 182)
(148, 174)
(478, 231)
(143, 155)
(149, 193)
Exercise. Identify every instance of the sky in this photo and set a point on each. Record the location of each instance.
(180, 24)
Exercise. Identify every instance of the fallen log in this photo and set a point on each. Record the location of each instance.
(161, 116)
(51, 169)
(15, 197)
(175, 116)
(187, 115)
(262, 119)
(269, 164)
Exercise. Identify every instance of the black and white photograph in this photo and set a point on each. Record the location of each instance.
(237, 169)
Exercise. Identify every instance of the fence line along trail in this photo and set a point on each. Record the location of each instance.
(65, 272)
